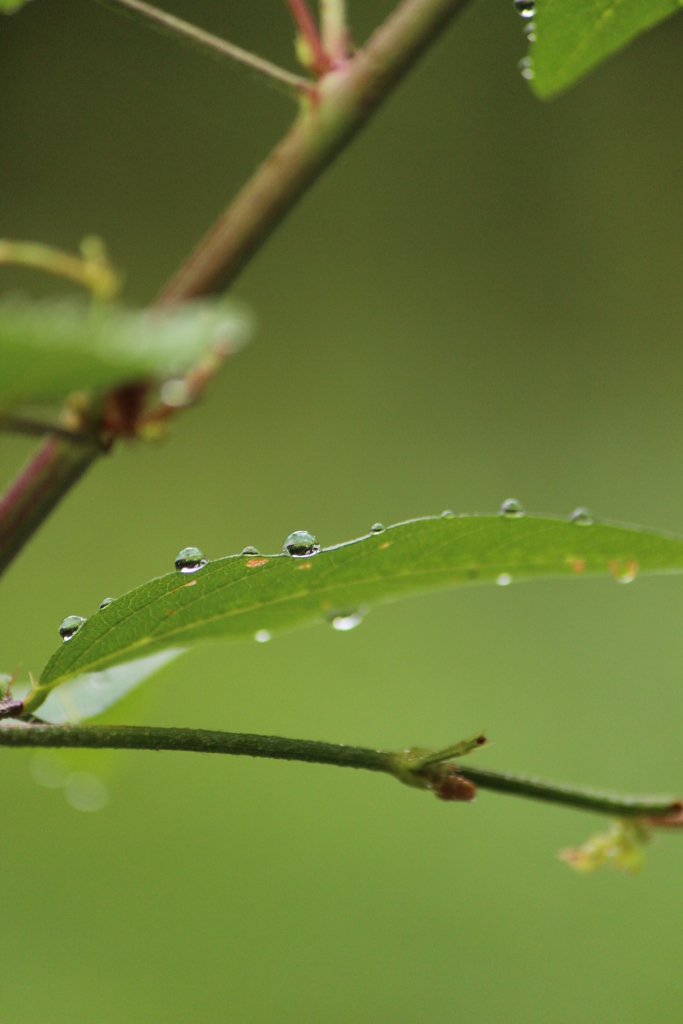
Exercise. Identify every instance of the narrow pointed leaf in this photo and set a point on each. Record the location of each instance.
(234, 598)
(51, 348)
(572, 36)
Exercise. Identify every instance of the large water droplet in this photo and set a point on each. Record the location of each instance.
(582, 517)
(249, 550)
(504, 579)
(377, 528)
(262, 637)
(301, 544)
(344, 621)
(70, 626)
(511, 509)
(189, 560)
(105, 602)
(526, 8)
(526, 68)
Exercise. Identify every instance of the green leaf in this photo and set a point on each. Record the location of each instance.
(237, 597)
(50, 348)
(572, 36)
(10, 6)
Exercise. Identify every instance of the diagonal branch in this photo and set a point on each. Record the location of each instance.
(344, 100)
(657, 810)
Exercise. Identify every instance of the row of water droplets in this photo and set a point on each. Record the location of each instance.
(299, 544)
(302, 544)
(527, 10)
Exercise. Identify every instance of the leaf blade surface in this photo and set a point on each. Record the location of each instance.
(235, 597)
(573, 36)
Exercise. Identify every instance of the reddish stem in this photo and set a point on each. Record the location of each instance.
(309, 30)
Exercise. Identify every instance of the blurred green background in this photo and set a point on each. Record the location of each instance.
(482, 298)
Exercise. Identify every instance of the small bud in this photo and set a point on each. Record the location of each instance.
(454, 787)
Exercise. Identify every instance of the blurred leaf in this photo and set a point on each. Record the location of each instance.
(572, 36)
(92, 693)
(50, 348)
(237, 597)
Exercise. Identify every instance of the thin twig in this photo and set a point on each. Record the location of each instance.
(344, 101)
(136, 737)
(193, 34)
(309, 32)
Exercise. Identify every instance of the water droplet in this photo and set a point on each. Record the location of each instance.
(511, 509)
(530, 31)
(526, 68)
(582, 517)
(70, 626)
(262, 637)
(189, 560)
(301, 544)
(377, 528)
(344, 621)
(504, 579)
(448, 514)
(624, 573)
(107, 600)
(526, 8)
(249, 550)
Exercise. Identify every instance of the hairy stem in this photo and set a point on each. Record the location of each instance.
(185, 30)
(135, 737)
(344, 100)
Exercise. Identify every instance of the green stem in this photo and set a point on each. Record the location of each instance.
(134, 737)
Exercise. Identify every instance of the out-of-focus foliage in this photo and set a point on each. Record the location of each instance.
(53, 347)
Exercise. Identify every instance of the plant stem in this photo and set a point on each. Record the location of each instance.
(135, 737)
(193, 34)
(344, 100)
(50, 473)
(309, 32)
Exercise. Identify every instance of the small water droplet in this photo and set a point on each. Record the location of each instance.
(70, 626)
(511, 509)
(582, 517)
(504, 579)
(107, 600)
(189, 560)
(249, 550)
(530, 31)
(525, 8)
(624, 573)
(448, 514)
(377, 528)
(344, 621)
(526, 68)
(262, 637)
(301, 544)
